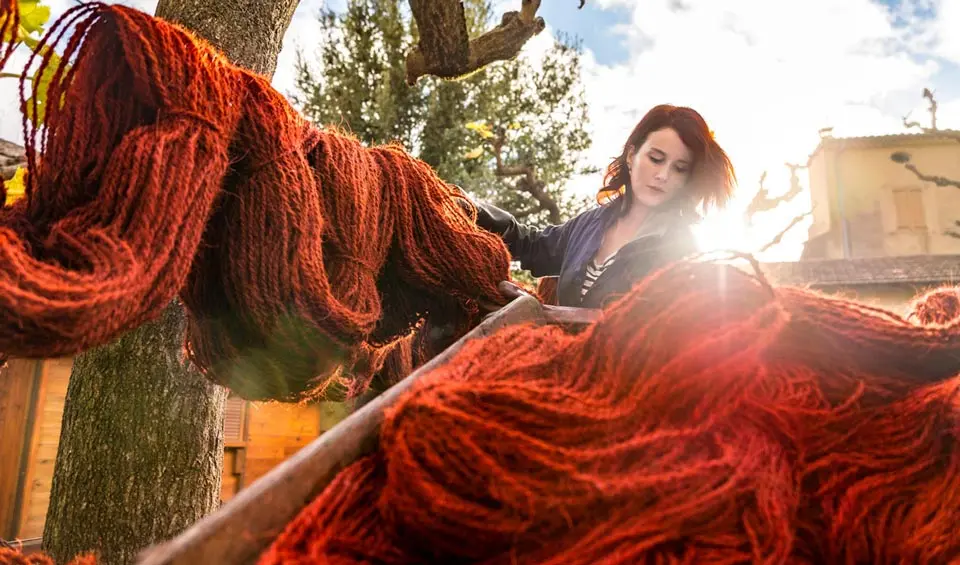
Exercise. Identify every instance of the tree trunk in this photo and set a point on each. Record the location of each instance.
(141, 448)
(249, 32)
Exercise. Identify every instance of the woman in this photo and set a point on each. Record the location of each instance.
(670, 165)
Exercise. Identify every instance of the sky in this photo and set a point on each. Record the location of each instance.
(765, 74)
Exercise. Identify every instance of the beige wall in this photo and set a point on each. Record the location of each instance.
(866, 178)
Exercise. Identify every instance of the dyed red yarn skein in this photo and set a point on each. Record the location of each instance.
(706, 418)
(168, 171)
(16, 557)
(9, 22)
(939, 306)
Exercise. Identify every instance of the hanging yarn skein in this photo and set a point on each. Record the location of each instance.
(9, 22)
(166, 170)
(705, 418)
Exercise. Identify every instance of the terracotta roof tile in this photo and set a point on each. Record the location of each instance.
(914, 269)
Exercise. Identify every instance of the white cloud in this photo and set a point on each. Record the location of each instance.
(301, 35)
(946, 40)
(765, 74)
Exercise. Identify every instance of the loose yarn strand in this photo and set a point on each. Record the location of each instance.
(9, 23)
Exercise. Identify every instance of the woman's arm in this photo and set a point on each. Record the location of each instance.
(539, 250)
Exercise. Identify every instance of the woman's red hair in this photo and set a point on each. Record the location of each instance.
(712, 178)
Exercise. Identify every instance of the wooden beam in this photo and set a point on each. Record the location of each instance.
(19, 388)
(554, 314)
(240, 531)
(29, 462)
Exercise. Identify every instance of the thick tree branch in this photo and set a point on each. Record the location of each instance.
(444, 44)
(444, 49)
(529, 181)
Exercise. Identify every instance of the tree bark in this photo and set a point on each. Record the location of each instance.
(249, 32)
(141, 447)
(444, 49)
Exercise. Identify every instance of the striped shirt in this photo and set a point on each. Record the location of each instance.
(594, 270)
(654, 225)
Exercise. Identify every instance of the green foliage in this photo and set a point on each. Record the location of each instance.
(362, 85)
(357, 82)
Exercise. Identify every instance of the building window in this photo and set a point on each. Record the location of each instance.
(908, 203)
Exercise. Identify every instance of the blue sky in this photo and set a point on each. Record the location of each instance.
(766, 74)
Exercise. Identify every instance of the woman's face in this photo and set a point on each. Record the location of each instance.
(659, 169)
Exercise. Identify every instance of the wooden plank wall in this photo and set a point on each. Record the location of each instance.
(18, 384)
(43, 450)
(259, 437)
(277, 431)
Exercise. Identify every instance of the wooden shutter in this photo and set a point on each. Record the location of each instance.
(908, 203)
(234, 421)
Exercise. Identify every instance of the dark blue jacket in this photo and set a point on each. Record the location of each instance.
(565, 250)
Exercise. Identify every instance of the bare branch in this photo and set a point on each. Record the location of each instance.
(529, 181)
(762, 202)
(928, 94)
(444, 49)
(904, 158)
(908, 124)
(937, 180)
(779, 237)
(952, 233)
(933, 108)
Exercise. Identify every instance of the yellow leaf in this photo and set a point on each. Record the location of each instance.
(482, 128)
(24, 37)
(16, 187)
(33, 16)
(475, 153)
(41, 83)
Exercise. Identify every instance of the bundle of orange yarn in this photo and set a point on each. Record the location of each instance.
(939, 306)
(706, 418)
(17, 557)
(168, 171)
